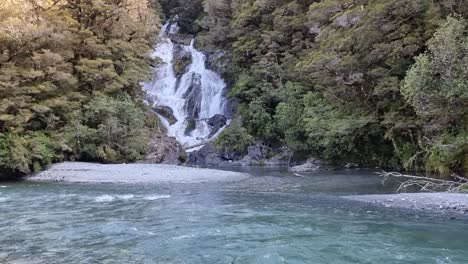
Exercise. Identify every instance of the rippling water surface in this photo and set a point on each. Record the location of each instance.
(274, 217)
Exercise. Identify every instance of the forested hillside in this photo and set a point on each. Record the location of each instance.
(373, 82)
(69, 81)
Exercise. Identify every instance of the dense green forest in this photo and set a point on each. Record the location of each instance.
(374, 82)
(69, 81)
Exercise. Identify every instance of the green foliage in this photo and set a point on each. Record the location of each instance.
(68, 67)
(235, 138)
(31, 152)
(329, 78)
(437, 84)
(109, 130)
(436, 87)
(448, 154)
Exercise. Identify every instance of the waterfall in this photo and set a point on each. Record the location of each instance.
(190, 105)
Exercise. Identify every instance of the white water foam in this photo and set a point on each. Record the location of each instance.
(110, 198)
(125, 197)
(104, 198)
(156, 197)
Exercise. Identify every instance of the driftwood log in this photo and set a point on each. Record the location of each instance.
(427, 184)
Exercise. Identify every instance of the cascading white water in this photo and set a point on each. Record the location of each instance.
(195, 97)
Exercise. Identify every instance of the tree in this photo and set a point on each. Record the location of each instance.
(436, 86)
(59, 56)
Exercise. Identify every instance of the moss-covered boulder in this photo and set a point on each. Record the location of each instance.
(182, 60)
(167, 113)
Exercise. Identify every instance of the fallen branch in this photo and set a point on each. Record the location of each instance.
(426, 184)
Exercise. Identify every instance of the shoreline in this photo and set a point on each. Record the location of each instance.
(82, 172)
(441, 203)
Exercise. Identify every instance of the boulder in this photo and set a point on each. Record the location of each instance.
(182, 60)
(193, 97)
(347, 20)
(165, 150)
(258, 152)
(181, 39)
(191, 125)
(218, 61)
(352, 165)
(167, 113)
(311, 164)
(207, 156)
(216, 123)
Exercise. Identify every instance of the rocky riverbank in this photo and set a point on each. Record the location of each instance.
(438, 202)
(81, 172)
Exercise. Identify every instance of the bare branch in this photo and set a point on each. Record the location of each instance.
(426, 184)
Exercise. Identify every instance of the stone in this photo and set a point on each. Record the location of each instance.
(191, 125)
(311, 164)
(351, 166)
(167, 113)
(347, 20)
(230, 107)
(216, 123)
(193, 97)
(165, 150)
(218, 61)
(181, 39)
(258, 152)
(182, 60)
(207, 156)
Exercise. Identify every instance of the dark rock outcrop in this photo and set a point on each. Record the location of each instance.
(167, 113)
(193, 97)
(181, 39)
(258, 152)
(218, 61)
(191, 125)
(216, 123)
(258, 155)
(230, 107)
(165, 150)
(207, 156)
(182, 60)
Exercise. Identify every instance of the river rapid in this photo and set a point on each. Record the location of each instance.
(272, 217)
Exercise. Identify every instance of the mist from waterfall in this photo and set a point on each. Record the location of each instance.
(194, 98)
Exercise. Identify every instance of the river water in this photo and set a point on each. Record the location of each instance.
(273, 217)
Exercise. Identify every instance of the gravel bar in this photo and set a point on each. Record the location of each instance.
(81, 172)
(440, 202)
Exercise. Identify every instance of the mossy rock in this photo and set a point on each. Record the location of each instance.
(181, 65)
(191, 125)
(166, 112)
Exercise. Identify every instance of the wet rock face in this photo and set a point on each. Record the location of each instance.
(216, 123)
(167, 113)
(258, 155)
(207, 156)
(181, 39)
(191, 125)
(258, 152)
(218, 61)
(182, 60)
(230, 108)
(193, 97)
